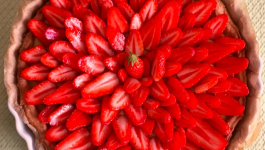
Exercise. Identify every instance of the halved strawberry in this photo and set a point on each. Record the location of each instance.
(126, 147)
(59, 48)
(160, 114)
(159, 90)
(191, 74)
(151, 103)
(206, 83)
(57, 133)
(77, 120)
(85, 3)
(91, 64)
(238, 88)
(65, 94)
(186, 120)
(79, 139)
(218, 123)
(73, 23)
(96, 45)
(186, 2)
(201, 53)
(122, 74)
(171, 37)
(137, 115)
(116, 20)
(139, 139)
(181, 55)
(202, 111)
(147, 68)
(155, 144)
(49, 60)
(107, 115)
(45, 113)
(81, 80)
(105, 6)
(164, 131)
(210, 100)
(137, 5)
(71, 59)
(115, 38)
(136, 22)
(190, 37)
(140, 95)
(103, 84)
(222, 75)
(37, 72)
(239, 43)
(192, 102)
(134, 43)
(170, 101)
(64, 4)
(207, 34)
(62, 73)
(55, 16)
(77, 39)
(190, 146)
(33, 55)
(187, 21)
(217, 24)
(37, 94)
(131, 85)
(54, 34)
(112, 64)
(122, 128)
(99, 131)
(113, 142)
(125, 10)
(172, 68)
(146, 81)
(178, 141)
(94, 24)
(61, 114)
(148, 10)
(220, 87)
(148, 126)
(177, 89)
(174, 111)
(158, 65)
(88, 105)
(95, 7)
(79, 11)
(119, 99)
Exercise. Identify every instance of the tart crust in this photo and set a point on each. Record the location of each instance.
(239, 26)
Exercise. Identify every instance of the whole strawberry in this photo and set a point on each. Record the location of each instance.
(134, 66)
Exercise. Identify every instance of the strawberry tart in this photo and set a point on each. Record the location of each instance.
(135, 74)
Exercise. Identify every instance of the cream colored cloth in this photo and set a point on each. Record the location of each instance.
(9, 138)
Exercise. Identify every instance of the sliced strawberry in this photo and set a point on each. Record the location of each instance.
(148, 10)
(190, 37)
(59, 48)
(164, 131)
(202, 111)
(174, 111)
(125, 10)
(71, 59)
(222, 75)
(99, 131)
(191, 74)
(131, 85)
(79, 139)
(77, 120)
(139, 139)
(206, 83)
(107, 115)
(94, 24)
(73, 23)
(159, 90)
(65, 94)
(57, 133)
(192, 101)
(210, 100)
(88, 105)
(158, 65)
(79, 11)
(62, 73)
(49, 60)
(54, 34)
(134, 43)
(178, 141)
(155, 144)
(64, 4)
(137, 5)
(187, 21)
(151, 103)
(177, 89)
(105, 6)
(113, 142)
(140, 95)
(116, 20)
(239, 43)
(146, 81)
(218, 123)
(55, 16)
(207, 34)
(147, 68)
(201, 9)
(61, 114)
(37, 72)
(238, 88)
(45, 113)
(85, 3)
(181, 55)
(201, 53)
(201, 134)
(217, 24)
(122, 74)
(160, 114)
(171, 37)
(115, 38)
(37, 94)
(103, 84)
(148, 126)
(33, 55)
(38, 29)
(220, 87)
(170, 101)
(186, 120)
(186, 2)
(95, 7)
(91, 64)
(77, 39)
(136, 22)
(229, 106)
(232, 65)
(161, 3)
(122, 128)
(96, 45)
(172, 68)
(190, 146)
(81, 80)
(137, 115)
(119, 99)
(127, 147)
(112, 64)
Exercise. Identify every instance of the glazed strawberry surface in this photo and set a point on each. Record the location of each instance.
(137, 74)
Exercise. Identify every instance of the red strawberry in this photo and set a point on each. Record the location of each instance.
(160, 114)
(37, 72)
(119, 99)
(64, 4)
(134, 66)
(192, 102)
(148, 126)
(45, 113)
(116, 2)
(107, 115)
(170, 101)
(55, 16)
(210, 100)
(136, 22)
(155, 144)
(88, 105)
(96, 45)
(206, 83)
(65, 94)
(201, 53)
(105, 6)
(99, 131)
(174, 111)
(139, 139)
(134, 43)
(140, 95)
(191, 74)
(71, 59)
(103, 84)
(164, 131)
(81, 80)
(172, 68)
(59, 48)
(159, 90)
(91, 64)
(49, 60)
(79, 11)
(112, 64)
(187, 21)
(61, 114)
(137, 4)
(122, 128)
(147, 67)
(113, 142)
(116, 20)
(94, 24)
(202, 111)
(148, 10)
(36, 95)
(95, 7)
(239, 43)
(220, 87)
(232, 65)
(57, 133)
(146, 81)
(73, 23)
(79, 139)
(151, 103)
(85, 3)
(186, 120)
(217, 24)
(54, 34)
(62, 73)
(190, 37)
(176, 88)
(178, 141)
(115, 38)
(77, 39)
(125, 10)
(158, 65)
(131, 85)
(181, 55)
(137, 115)
(207, 34)
(222, 75)
(165, 49)
(33, 55)
(77, 120)
(190, 146)
(219, 124)
(171, 37)
(201, 134)
(238, 88)
(121, 58)
(186, 2)
(122, 74)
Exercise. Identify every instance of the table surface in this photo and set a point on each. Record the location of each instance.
(9, 138)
